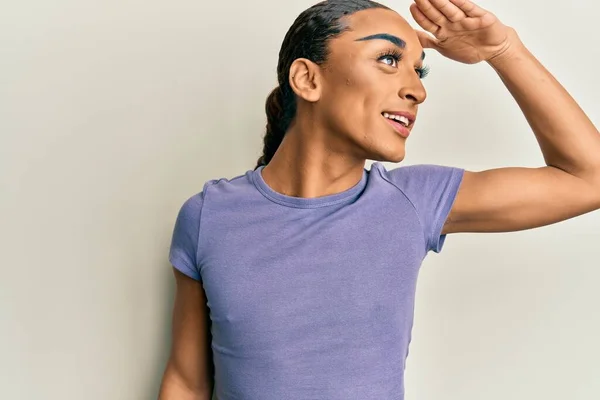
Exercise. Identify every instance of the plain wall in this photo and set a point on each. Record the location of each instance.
(113, 113)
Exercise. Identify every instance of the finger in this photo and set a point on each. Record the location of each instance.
(427, 41)
(432, 13)
(450, 11)
(469, 8)
(472, 24)
(422, 20)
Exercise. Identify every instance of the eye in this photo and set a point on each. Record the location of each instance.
(390, 57)
(389, 60)
(422, 71)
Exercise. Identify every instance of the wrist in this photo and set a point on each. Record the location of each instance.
(514, 49)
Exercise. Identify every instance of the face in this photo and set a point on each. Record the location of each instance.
(371, 85)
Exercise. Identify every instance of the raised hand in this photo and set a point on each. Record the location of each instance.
(462, 31)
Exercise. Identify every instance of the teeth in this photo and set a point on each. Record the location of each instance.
(403, 120)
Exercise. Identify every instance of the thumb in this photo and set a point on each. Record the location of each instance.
(427, 41)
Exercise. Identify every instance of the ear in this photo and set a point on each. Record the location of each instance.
(305, 79)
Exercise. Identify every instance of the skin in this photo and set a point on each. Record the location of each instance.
(339, 126)
(189, 371)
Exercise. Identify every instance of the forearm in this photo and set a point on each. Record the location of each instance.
(567, 137)
(175, 387)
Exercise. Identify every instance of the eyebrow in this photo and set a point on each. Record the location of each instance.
(390, 38)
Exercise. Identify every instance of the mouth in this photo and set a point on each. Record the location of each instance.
(401, 121)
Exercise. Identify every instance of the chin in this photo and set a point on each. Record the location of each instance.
(387, 146)
(394, 159)
(389, 156)
(394, 152)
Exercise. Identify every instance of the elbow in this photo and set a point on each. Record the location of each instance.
(591, 177)
(175, 386)
(596, 187)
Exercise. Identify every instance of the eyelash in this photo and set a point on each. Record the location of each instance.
(397, 56)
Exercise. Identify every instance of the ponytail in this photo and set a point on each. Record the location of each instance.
(280, 112)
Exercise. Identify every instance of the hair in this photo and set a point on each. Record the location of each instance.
(308, 37)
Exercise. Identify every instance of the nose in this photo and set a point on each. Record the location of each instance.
(413, 89)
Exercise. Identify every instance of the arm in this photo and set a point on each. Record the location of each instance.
(510, 199)
(189, 371)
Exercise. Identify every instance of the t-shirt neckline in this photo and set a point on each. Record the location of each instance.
(348, 195)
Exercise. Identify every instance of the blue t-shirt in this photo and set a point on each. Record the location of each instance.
(313, 299)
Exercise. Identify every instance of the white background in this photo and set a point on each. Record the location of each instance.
(113, 113)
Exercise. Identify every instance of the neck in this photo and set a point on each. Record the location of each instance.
(311, 162)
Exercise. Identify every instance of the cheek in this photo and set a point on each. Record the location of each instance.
(356, 102)
(354, 98)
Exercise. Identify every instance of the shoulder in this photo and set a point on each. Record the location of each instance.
(419, 174)
(432, 190)
(186, 248)
(214, 189)
(192, 206)
(421, 180)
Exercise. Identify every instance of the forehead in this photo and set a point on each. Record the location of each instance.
(380, 21)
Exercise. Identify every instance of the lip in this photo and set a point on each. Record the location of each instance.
(411, 117)
(404, 131)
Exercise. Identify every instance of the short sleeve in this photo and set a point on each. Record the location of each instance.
(432, 190)
(183, 253)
